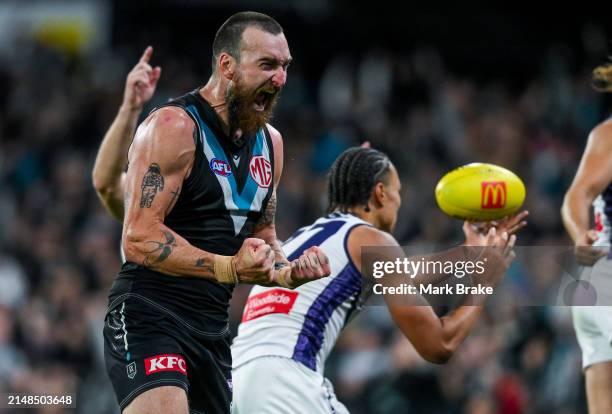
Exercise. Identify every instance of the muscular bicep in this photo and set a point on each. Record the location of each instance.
(155, 187)
(159, 160)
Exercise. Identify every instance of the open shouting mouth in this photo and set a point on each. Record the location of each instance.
(262, 99)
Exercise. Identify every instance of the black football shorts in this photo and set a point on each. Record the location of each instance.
(146, 346)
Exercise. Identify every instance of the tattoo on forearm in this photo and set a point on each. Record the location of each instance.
(161, 250)
(202, 263)
(152, 182)
(267, 217)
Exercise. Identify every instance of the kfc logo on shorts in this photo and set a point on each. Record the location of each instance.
(261, 171)
(272, 301)
(220, 167)
(161, 363)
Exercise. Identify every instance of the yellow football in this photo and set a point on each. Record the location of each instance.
(480, 192)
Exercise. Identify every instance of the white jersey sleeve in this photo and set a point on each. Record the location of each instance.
(303, 324)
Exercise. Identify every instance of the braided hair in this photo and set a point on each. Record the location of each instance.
(353, 176)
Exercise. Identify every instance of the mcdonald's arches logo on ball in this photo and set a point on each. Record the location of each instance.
(480, 192)
(494, 194)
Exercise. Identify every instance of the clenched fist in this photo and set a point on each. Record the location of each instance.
(254, 262)
(313, 264)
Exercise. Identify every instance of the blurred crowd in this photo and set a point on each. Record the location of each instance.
(59, 249)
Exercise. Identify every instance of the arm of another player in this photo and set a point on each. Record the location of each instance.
(592, 177)
(108, 174)
(313, 263)
(265, 228)
(435, 338)
(160, 158)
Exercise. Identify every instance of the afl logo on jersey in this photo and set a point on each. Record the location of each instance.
(261, 171)
(220, 167)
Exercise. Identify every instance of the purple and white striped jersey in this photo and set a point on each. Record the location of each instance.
(303, 324)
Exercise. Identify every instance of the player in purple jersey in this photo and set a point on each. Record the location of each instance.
(286, 336)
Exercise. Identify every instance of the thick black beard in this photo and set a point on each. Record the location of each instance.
(241, 114)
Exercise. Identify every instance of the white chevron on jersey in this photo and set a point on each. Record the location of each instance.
(252, 195)
(304, 323)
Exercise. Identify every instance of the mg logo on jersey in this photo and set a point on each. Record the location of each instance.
(493, 194)
(261, 171)
(271, 301)
(168, 362)
(220, 167)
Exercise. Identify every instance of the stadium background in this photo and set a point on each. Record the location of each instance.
(434, 89)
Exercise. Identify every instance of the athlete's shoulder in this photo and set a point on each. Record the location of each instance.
(170, 118)
(368, 235)
(277, 146)
(602, 132)
(275, 135)
(170, 129)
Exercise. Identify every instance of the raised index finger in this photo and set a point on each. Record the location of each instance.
(146, 55)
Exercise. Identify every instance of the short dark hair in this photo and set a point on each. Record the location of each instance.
(353, 176)
(229, 35)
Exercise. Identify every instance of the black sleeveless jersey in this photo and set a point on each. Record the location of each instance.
(221, 200)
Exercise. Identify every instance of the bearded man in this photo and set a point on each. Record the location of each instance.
(199, 202)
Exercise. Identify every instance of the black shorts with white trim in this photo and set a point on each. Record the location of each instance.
(146, 346)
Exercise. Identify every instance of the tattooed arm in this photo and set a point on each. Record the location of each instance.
(265, 228)
(160, 158)
(313, 263)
